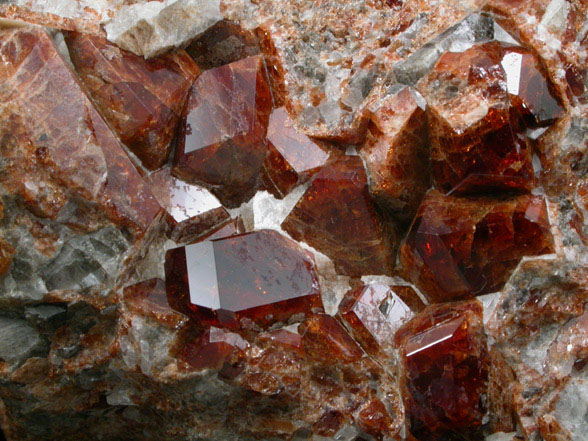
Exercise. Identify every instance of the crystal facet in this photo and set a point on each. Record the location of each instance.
(458, 247)
(221, 141)
(262, 276)
(337, 216)
(445, 366)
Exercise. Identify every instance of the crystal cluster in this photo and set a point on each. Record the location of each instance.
(293, 220)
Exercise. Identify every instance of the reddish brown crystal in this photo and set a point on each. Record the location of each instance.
(445, 371)
(141, 99)
(292, 156)
(261, 276)
(213, 349)
(222, 44)
(373, 314)
(325, 339)
(149, 298)
(480, 102)
(459, 247)
(62, 134)
(6, 253)
(221, 139)
(396, 154)
(337, 216)
(192, 211)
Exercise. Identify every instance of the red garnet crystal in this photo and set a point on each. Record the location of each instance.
(149, 298)
(213, 349)
(221, 139)
(480, 103)
(192, 211)
(396, 154)
(337, 216)
(52, 131)
(141, 99)
(261, 276)
(292, 157)
(374, 313)
(458, 247)
(445, 366)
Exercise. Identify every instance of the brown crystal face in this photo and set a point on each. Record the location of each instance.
(480, 104)
(396, 154)
(459, 247)
(221, 139)
(292, 156)
(262, 276)
(223, 43)
(445, 366)
(141, 99)
(373, 313)
(337, 216)
(192, 211)
(61, 133)
(215, 348)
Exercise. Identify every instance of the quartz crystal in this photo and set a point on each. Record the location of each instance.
(445, 366)
(459, 247)
(261, 276)
(337, 216)
(141, 99)
(221, 140)
(480, 104)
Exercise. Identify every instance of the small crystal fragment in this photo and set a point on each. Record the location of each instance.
(445, 365)
(221, 139)
(459, 247)
(141, 99)
(292, 157)
(396, 154)
(337, 216)
(325, 339)
(480, 103)
(373, 314)
(214, 348)
(262, 276)
(223, 43)
(7, 251)
(192, 211)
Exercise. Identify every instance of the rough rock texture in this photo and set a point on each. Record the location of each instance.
(304, 154)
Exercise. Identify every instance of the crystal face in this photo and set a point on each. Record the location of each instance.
(292, 156)
(459, 247)
(445, 366)
(221, 139)
(141, 99)
(337, 216)
(480, 104)
(262, 276)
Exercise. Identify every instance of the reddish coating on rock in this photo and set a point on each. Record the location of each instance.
(293, 157)
(223, 43)
(7, 251)
(221, 139)
(445, 366)
(396, 154)
(192, 211)
(261, 276)
(337, 216)
(326, 340)
(459, 247)
(141, 99)
(373, 313)
(480, 103)
(61, 133)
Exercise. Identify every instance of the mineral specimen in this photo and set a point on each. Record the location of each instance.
(221, 141)
(337, 216)
(262, 276)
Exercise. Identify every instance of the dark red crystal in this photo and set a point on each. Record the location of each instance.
(261, 276)
(337, 216)
(221, 139)
(141, 99)
(445, 366)
(459, 247)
